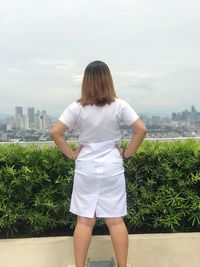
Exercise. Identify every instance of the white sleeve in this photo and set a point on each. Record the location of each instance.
(129, 116)
(70, 114)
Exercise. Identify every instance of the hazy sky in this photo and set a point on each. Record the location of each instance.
(151, 47)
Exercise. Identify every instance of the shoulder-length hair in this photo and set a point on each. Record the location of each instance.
(97, 85)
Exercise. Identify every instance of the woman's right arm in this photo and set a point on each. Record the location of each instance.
(57, 132)
(139, 132)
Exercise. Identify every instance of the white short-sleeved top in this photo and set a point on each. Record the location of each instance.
(99, 123)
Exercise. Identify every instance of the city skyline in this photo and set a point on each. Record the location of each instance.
(35, 126)
(27, 110)
(151, 47)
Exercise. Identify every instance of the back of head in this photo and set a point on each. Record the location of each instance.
(97, 85)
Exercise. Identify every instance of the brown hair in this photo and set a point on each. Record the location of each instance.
(97, 85)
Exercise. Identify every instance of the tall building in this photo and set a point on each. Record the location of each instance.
(31, 121)
(3, 136)
(156, 120)
(18, 117)
(37, 119)
(44, 112)
(18, 111)
(194, 114)
(31, 117)
(173, 115)
(43, 121)
(193, 109)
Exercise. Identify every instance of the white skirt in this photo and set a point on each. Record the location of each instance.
(99, 184)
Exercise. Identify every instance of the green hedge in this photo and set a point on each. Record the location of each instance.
(162, 179)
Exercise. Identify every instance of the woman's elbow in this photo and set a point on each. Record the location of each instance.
(142, 131)
(54, 134)
(145, 130)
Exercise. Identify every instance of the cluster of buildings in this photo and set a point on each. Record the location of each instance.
(192, 116)
(181, 124)
(32, 121)
(35, 126)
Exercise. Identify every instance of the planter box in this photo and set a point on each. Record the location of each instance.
(145, 250)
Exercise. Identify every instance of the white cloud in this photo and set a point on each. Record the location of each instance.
(16, 70)
(57, 63)
(151, 47)
(77, 79)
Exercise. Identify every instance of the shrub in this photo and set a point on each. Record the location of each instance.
(162, 180)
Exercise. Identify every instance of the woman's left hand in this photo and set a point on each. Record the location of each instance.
(120, 150)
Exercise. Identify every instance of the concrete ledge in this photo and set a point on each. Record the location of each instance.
(145, 250)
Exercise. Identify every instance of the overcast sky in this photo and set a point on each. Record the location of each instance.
(150, 46)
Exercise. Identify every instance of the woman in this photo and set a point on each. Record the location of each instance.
(99, 182)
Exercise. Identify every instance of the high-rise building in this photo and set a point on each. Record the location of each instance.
(194, 114)
(193, 109)
(31, 117)
(173, 115)
(3, 136)
(18, 111)
(31, 113)
(44, 112)
(31, 121)
(156, 120)
(42, 122)
(18, 117)
(37, 119)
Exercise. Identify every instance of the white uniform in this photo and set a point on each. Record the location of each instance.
(99, 183)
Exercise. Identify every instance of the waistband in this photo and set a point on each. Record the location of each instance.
(100, 145)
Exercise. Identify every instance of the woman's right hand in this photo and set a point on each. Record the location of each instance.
(76, 152)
